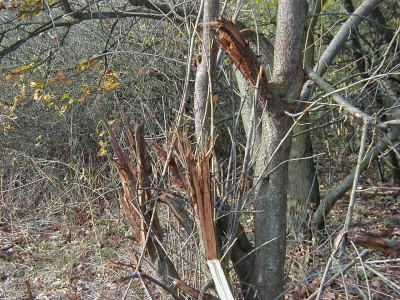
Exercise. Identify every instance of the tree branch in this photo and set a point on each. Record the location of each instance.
(359, 114)
(340, 38)
(156, 11)
(337, 42)
(340, 189)
(153, 280)
(66, 6)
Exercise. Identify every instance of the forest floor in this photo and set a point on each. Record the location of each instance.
(73, 247)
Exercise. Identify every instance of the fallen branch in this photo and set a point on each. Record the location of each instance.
(183, 286)
(366, 241)
(151, 279)
(340, 189)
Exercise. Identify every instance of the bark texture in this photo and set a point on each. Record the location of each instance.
(303, 190)
(204, 74)
(271, 167)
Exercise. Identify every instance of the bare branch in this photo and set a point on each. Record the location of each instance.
(340, 189)
(336, 44)
(154, 11)
(66, 6)
(152, 279)
(359, 114)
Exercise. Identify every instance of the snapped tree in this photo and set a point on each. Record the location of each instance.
(188, 180)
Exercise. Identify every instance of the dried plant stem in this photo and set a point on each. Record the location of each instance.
(29, 290)
(362, 255)
(203, 290)
(325, 277)
(357, 174)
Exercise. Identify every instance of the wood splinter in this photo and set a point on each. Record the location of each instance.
(238, 50)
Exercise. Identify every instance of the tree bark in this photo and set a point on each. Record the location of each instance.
(204, 74)
(267, 275)
(303, 189)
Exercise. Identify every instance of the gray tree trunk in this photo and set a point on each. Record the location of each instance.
(303, 190)
(204, 74)
(267, 275)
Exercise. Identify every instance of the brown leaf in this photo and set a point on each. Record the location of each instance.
(329, 295)
(72, 296)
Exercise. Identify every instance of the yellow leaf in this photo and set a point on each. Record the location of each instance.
(110, 85)
(46, 97)
(102, 152)
(24, 68)
(81, 65)
(84, 96)
(63, 110)
(13, 75)
(36, 95)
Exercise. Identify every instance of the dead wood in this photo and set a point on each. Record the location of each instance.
(145, 198)
(183, 286)
(174, 166)
(387, 247)
(238, 50)
(181, 214)
(198, 177)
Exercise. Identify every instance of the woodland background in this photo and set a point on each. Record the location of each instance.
(139, 159)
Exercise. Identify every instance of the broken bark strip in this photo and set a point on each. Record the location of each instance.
(175, 168)
(198, 181)
(137, 200)
(240, 54)
(183, 286)
(366, 241)
(144, 194)
(128, 176)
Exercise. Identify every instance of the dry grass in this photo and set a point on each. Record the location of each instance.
(63, 236)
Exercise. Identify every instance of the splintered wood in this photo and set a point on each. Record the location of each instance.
(240, 54)
(198, 177)
(136, 197)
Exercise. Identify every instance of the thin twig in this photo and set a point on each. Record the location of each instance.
(127, 290)
(325, 276)
(337, 97)
(153, 280)
(145, 287)
(362, 255)
(390, 283)
(365, 272)
(250, 253)
(29, 290)
(204, 288)
(357, 175)
(232, 232)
